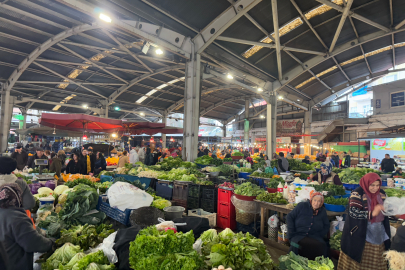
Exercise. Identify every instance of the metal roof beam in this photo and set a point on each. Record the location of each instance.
(361, 46)
(222, 22)
(24, 100)
(354, 15)
(277, 38)
(267, 45)
(346, 11)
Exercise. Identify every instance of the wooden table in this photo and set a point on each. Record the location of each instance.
(281, 209)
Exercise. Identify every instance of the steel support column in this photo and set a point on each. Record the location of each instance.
(24, 122)
(164, 119)
(192, 95)
(246, 124)
(307, 131)
(7, 103)
(271, 121)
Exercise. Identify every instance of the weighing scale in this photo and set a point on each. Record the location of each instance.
(42, 177)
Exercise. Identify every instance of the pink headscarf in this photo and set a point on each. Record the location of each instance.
(372, 198)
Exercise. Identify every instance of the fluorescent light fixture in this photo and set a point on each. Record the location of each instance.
(114, 135)
(117, 108)
(85, 106)
(159, 51)
(261, 116)
(298, 100)
(142, 99)
(142, 114)
(56, 108)
(260, 89)
(104, 17)
(160, 87)
(229, 76)
(280, 97)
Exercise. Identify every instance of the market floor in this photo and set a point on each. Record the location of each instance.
(275, 253)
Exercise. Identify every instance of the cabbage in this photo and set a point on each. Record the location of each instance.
(93, 266)
(67, 191)
(161, 203)
(62, 255)
(227, 233)
(208, 235)
(60, 189)
(50, 184)
(73, 261)
(45, 191)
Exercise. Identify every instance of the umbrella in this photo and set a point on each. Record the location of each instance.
(80, 122)
(152, 131)
(103, 148)
(48, 131)
(138, 125)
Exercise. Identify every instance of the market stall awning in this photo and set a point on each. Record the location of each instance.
(80, 122)
(48, 131)
(138, 125)
(152, 131)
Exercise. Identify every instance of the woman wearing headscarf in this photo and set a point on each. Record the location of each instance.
(307, 226)
(18, 236)
(306, 160)
(325, 175)
(7, 166)
(366, 234)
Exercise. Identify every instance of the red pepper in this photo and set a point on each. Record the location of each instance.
(172, 229)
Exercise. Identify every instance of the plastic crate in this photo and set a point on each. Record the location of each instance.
(244, 175)
(180, 191)
(202, 166)
(182, 203)
(226, 222)
(335, 208)
(224, 195)
(193, 203)
(209, 205)
(164, 190)
(210, 193)
(194, 191)
(212, 217)
(116, 214)
(259, 182)
(132, 178)
(251, 228)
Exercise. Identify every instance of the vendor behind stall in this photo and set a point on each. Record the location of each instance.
(307, 226)
(306, 160)
(38, 155)
(366, 234)
(325, 175)
(398, 171)
(17, 234)
(282, 162)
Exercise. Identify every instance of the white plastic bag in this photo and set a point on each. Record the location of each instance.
(107, 248)
(394, 206)
(283, 229)
(338, 224)
(126, 196)
(393, 231)
(273, 221)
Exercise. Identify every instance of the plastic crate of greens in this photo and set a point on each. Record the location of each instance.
(116, 214)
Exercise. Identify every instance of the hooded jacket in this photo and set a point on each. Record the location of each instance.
(148, 157)
(28, 199)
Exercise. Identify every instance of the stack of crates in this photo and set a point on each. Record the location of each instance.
(226, 215)
(180, 192)
(209, 199)
(193, 196)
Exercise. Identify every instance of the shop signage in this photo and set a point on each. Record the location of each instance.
(260, 139)
(292, 126)
(283, 140)
(397, 99)
(396, 144)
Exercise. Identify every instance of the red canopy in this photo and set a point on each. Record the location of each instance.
(80, 122)
(138, 125)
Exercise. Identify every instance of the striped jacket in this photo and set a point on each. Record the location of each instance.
(355, 229)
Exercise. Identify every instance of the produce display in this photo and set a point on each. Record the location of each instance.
(298, 165)
(262, 174)
(78, 181)
(237, 154)
(136, 183)
(335, 240)
(102, 187)
(227, 160)
(273, 183)
(169, 163)
(153, 249)
(227, 185)
(161, 203)
(271, 198)
(149, 174)
(396, 259)
(332, 190)
(237, 251)
(227, 169)
(353, 175)
(73, 177)
(391, 192)
(340, 201)
(204, 160)
(246, 170)
(217, 161)
(248, 189)
(296, 262)
(212, 169)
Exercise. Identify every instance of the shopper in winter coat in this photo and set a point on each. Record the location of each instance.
(124, 159)
(346, 161)
(388, 164)
(56, 165)
(86, 162)
(93, 158)
(325, 175)
(306, 160)
(307, 227)
(7, 166)
(75, 165)
(148, 157)
(335, 158)
(17, 233)
(100, 164)
(4, 262)
(20, 156)
(283, 164)
(366, 234)
(133, 156)
(141, 154)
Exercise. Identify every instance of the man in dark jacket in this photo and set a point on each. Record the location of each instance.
(346, 162)
(20, 156)
(283, 164)
(38, 155)
(388, 164)
(335, 159)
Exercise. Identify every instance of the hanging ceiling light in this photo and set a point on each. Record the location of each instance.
(229, 76)
(54, 132)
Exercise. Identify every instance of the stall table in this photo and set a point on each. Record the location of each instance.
(111, 168)
(282, 209)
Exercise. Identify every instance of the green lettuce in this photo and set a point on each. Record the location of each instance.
(161, 203)
(62, 255)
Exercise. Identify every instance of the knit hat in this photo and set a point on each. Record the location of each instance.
(10, 196)
(7, 165)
